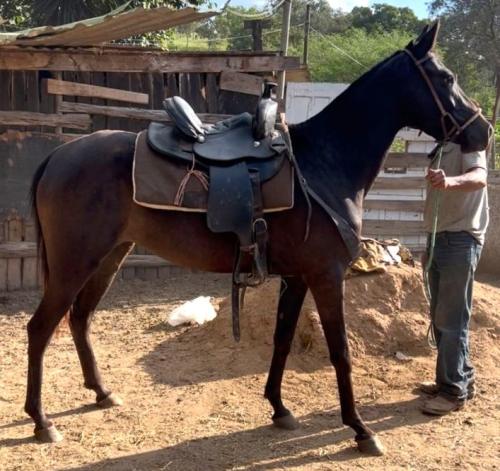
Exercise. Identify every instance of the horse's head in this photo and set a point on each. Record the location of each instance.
(434, 102)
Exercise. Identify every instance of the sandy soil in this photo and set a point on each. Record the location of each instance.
(193, 398)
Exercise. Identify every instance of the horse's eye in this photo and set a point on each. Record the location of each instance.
(449, 79)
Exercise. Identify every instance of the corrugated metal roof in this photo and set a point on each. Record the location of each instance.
(113, 26)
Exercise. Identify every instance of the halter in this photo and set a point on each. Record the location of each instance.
(456, 128)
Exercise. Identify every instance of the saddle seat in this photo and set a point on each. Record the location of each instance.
(238, 154)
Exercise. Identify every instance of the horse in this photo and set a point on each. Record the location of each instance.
(87, 221)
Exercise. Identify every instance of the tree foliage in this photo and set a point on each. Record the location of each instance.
(32, 13)
(383, 17)
(470, 37)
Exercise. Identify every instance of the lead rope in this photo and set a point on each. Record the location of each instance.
(431, 336)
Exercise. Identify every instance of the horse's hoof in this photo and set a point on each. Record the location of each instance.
(48, 435)
(287, 422)
(371, 446)
(110, 401)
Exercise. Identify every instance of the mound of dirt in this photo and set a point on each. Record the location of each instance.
(384, 313)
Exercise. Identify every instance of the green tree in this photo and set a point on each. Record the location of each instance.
(328, 64)
(383, 17)
(471, 38)
(31, 13)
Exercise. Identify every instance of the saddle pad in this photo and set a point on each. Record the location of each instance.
(156, 181)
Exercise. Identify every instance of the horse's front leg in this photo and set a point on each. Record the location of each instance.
(328, 292)
(292, 293)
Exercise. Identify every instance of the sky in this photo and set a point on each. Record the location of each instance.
(418, 6)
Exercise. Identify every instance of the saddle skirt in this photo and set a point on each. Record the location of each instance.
(172, 184)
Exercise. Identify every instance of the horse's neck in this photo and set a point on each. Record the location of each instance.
(347, 141)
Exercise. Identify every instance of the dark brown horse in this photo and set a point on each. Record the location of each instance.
(88, 222)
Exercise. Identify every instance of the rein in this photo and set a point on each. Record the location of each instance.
(456, 128)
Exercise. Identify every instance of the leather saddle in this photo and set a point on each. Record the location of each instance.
(238, 154)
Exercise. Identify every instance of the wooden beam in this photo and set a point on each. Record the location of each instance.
(395, 205)
(28, 118)
(93, 60)
(132, 113)
(62, 87)
(241, 83)
(17, 249)
(393, 228)
(399, 183)
(406, 159)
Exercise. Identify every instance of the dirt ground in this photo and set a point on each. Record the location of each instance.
(193, 399)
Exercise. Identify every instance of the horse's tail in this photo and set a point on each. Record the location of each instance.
(42, 255)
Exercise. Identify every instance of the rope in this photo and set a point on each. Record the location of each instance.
(431, 337)
(338, 48)
(179, 197)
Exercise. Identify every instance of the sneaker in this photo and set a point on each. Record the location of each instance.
(431, 388)
(440, 405)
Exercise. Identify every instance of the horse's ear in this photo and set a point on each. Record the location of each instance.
(426, 41)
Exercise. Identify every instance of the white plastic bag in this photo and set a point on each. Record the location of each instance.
(199, 310)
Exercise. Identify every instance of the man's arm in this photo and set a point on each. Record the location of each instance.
(472, 180)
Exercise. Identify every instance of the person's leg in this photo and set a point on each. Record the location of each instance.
(454, 260)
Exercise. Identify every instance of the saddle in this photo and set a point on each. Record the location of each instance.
(238, 154)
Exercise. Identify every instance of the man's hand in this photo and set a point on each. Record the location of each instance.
(438, 179)
(472, 180)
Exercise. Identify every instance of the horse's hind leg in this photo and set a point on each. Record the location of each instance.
(56, 301)
(327, 290)
(81, 317)
(292, 294)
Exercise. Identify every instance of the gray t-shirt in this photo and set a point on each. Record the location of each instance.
(459, 210)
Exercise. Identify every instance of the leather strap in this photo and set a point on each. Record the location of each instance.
(456, 128)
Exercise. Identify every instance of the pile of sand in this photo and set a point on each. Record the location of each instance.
(384, 313)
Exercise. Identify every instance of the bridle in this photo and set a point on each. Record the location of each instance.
(456, 128)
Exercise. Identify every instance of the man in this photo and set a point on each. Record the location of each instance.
(460, 185)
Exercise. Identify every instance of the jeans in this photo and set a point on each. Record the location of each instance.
(451, 276)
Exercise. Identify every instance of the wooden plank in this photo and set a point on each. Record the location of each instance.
(399, 183)
(144, 261)
(14, 278)
(394, 205)
(17, 250)
(29, 231)
(98, 121)
(61, 87)
(212, 93)
(3, 274)
(132, 113)
(128, 273)
(30, 272)
(241, 83)
(15, 229)
(406, 159)
(392, 228)
(28, 118)
(95, 60)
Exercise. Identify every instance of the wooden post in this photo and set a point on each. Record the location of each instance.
(307, 25)
(256, 26)
(57, 104)
(285, 35)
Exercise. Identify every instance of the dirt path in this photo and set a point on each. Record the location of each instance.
(193, 398)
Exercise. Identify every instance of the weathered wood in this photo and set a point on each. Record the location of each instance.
(393, 228)
(406, 159)
(30, 269)
(15, 229)
(132, 113)
(3, 274)
(241, 83)
(61, 87)
(17, 250)
(28, 118)
(212, 93)
(14, 278)
(95, 60)
(143, 261)
(394, 205)
(399, 183)
(128, 273)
